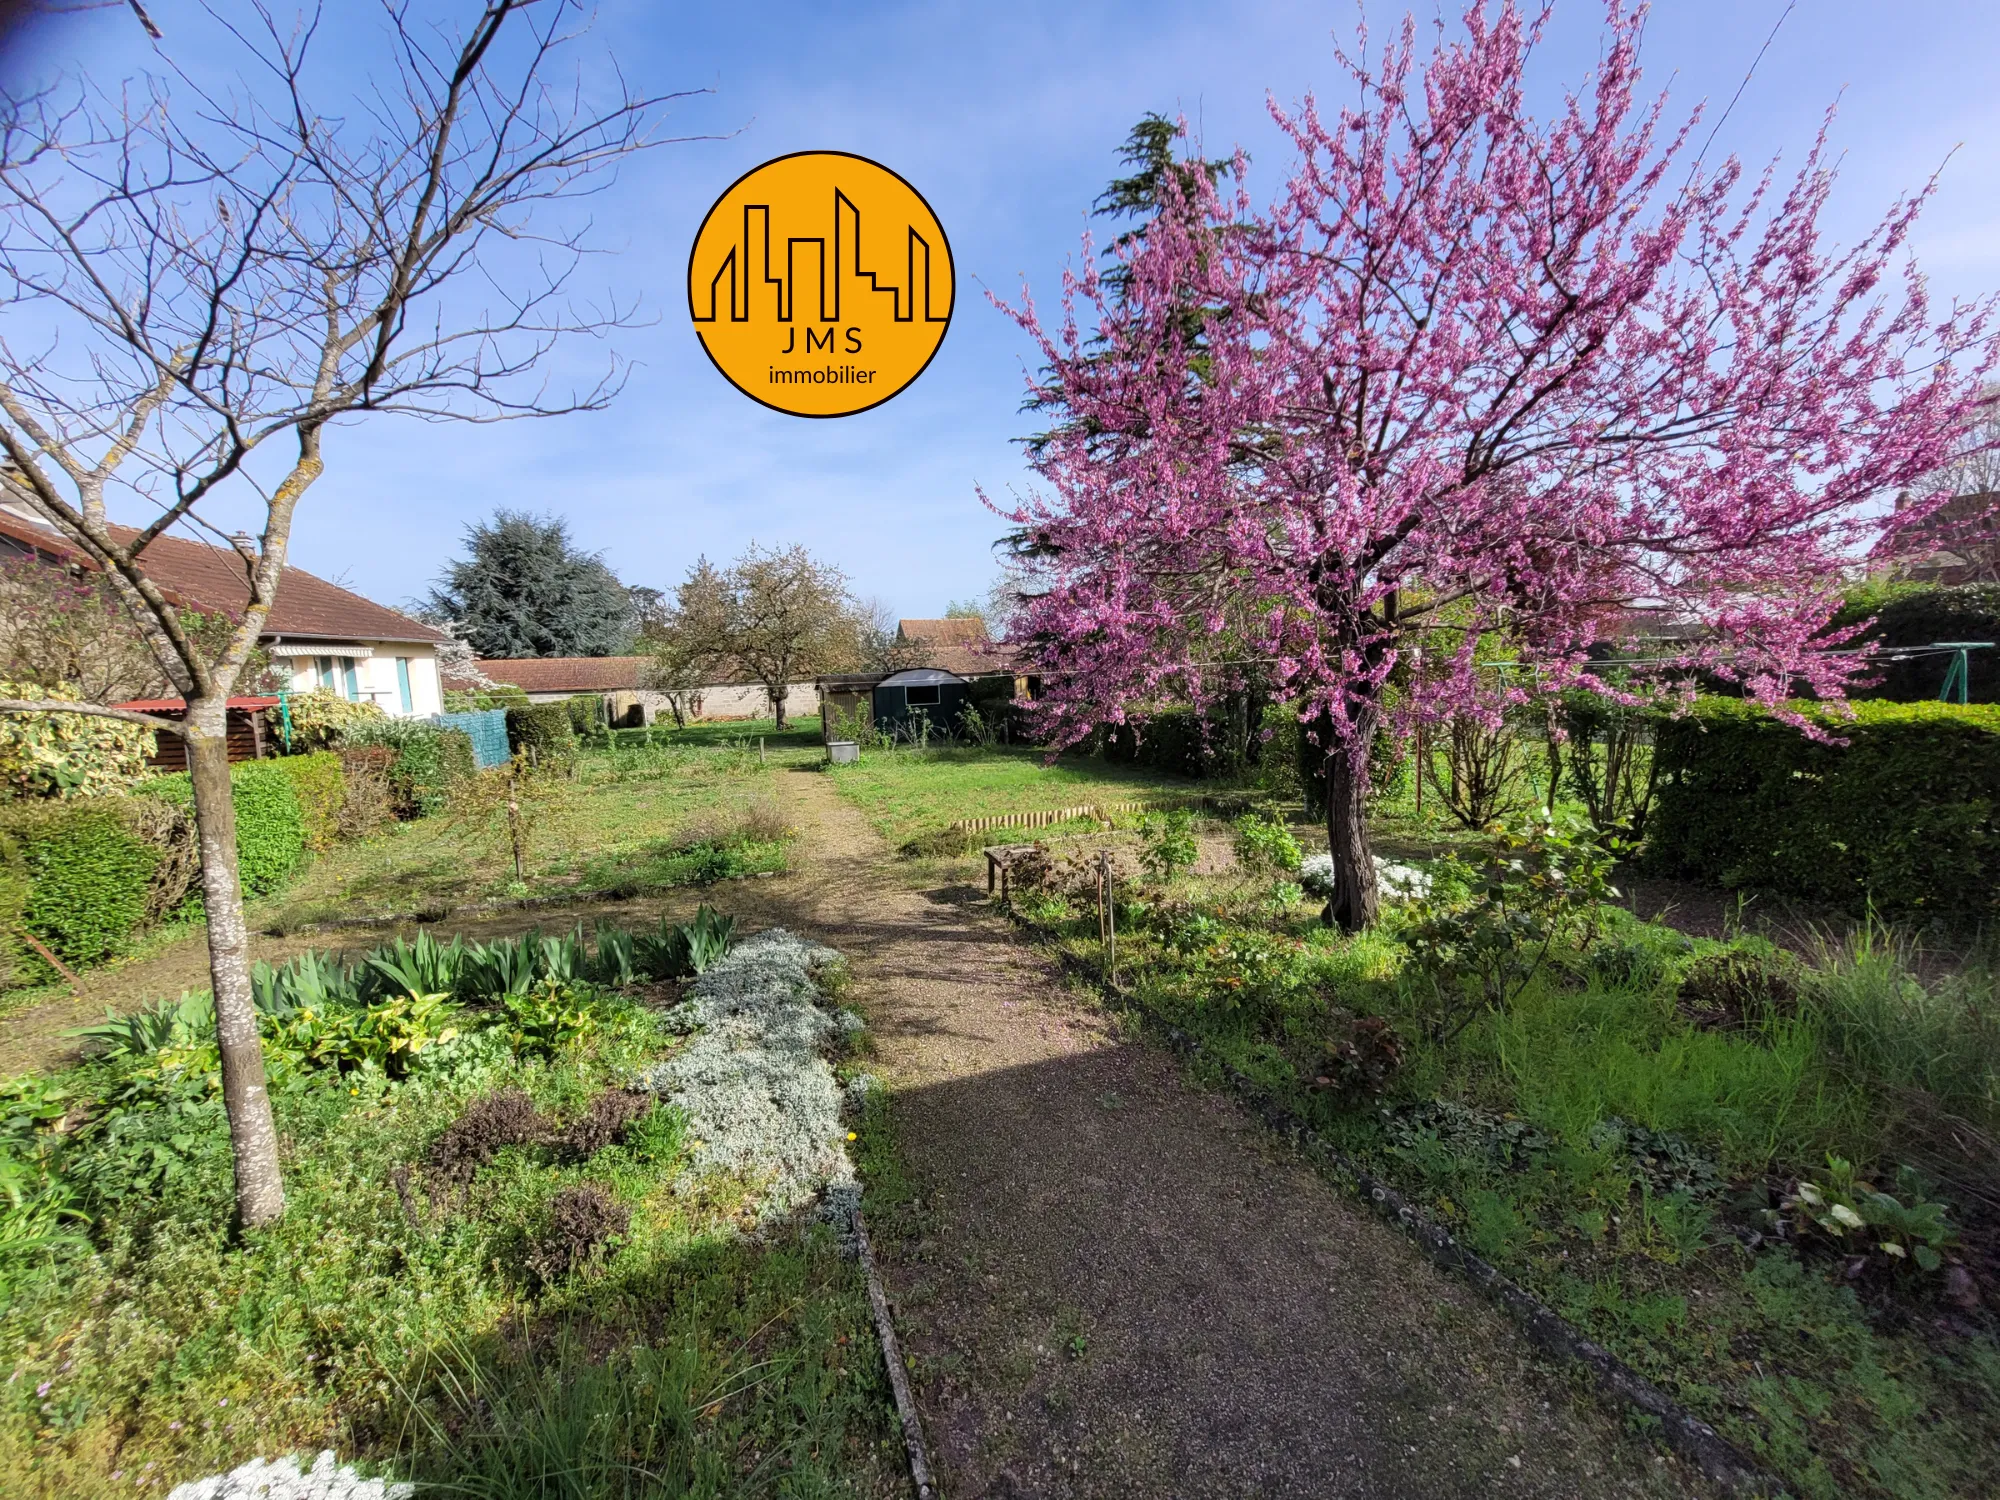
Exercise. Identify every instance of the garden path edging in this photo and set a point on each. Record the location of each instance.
(1689, 1436)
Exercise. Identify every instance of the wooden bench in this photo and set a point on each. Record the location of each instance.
(1000, 862)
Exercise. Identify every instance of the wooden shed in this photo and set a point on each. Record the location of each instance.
(246, 730)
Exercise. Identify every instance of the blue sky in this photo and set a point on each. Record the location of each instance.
(1006, 117)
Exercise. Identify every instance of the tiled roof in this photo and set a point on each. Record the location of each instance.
(568, 674)
(966, 632)
(203, 574)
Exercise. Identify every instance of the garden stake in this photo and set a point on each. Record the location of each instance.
(57, 964)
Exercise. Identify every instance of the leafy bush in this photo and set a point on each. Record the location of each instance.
(1263, 842)
(320, 720)
(88, 871)
(586, 713)
(543, 731)
(1744, 984)
(270, 825)
(500, 695)
(1919, 616)
(1904, 816)
(1537, 884)
(430, 762)
(67, 755)
(365, 770)
(319, 781)
(1169, 841)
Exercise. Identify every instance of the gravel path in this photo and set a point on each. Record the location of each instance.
(1122, 1286)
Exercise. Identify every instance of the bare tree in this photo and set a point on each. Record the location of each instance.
(1975, 470)
(687, 639)
(204, 286)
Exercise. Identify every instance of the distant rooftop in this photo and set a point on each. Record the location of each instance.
(965, 632)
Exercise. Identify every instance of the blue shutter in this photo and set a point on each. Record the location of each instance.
(353, 684)
(403, 683)
(326, 673)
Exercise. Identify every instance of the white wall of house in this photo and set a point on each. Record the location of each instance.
(398, 677)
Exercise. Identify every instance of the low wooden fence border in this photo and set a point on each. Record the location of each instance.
(1044, 817)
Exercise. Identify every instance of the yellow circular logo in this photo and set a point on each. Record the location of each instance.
(820, 284)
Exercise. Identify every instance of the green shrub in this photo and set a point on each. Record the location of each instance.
(586, 713)
(319, 719)
(67, 755)
(320, 783)
(543, 731)
(430, 761)
(1264, 843)
(500, 695)
(1176, 740)
(270, 825)
(1904, 815)
(85, 869)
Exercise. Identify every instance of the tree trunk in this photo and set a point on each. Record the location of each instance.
(253, 1135)
(1354, 903)
(779, 693)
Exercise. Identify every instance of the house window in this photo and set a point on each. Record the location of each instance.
(348, 677)
(922, 696)
(326, 673)
(403, 683)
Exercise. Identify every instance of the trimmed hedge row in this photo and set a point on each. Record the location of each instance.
(81, 870)
(1905, 815)
(270, 823)
(544, 729)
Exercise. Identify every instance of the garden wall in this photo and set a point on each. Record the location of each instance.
(1903, 815)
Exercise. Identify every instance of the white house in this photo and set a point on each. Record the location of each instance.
(319, 634)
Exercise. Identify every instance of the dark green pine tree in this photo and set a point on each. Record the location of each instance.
(526, 589)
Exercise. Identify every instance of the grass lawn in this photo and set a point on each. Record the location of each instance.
(498, 1270)
(625, 821)
(908, 793)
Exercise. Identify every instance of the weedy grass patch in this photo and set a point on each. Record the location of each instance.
(504, 1267)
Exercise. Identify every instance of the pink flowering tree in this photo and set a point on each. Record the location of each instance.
(1477, 368)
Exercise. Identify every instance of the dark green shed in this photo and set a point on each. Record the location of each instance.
(922, 692)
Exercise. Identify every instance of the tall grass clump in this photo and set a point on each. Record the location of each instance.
(1929, 1053)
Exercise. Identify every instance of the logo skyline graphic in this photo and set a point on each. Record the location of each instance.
(755, 243)
(820, 284)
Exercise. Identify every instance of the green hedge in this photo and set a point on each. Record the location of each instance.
(586, 713)
(544, 728)
(321, 787)
(1905, 815)
(1917, 617)
(270, 824)
(85, 871)
(430, 760)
